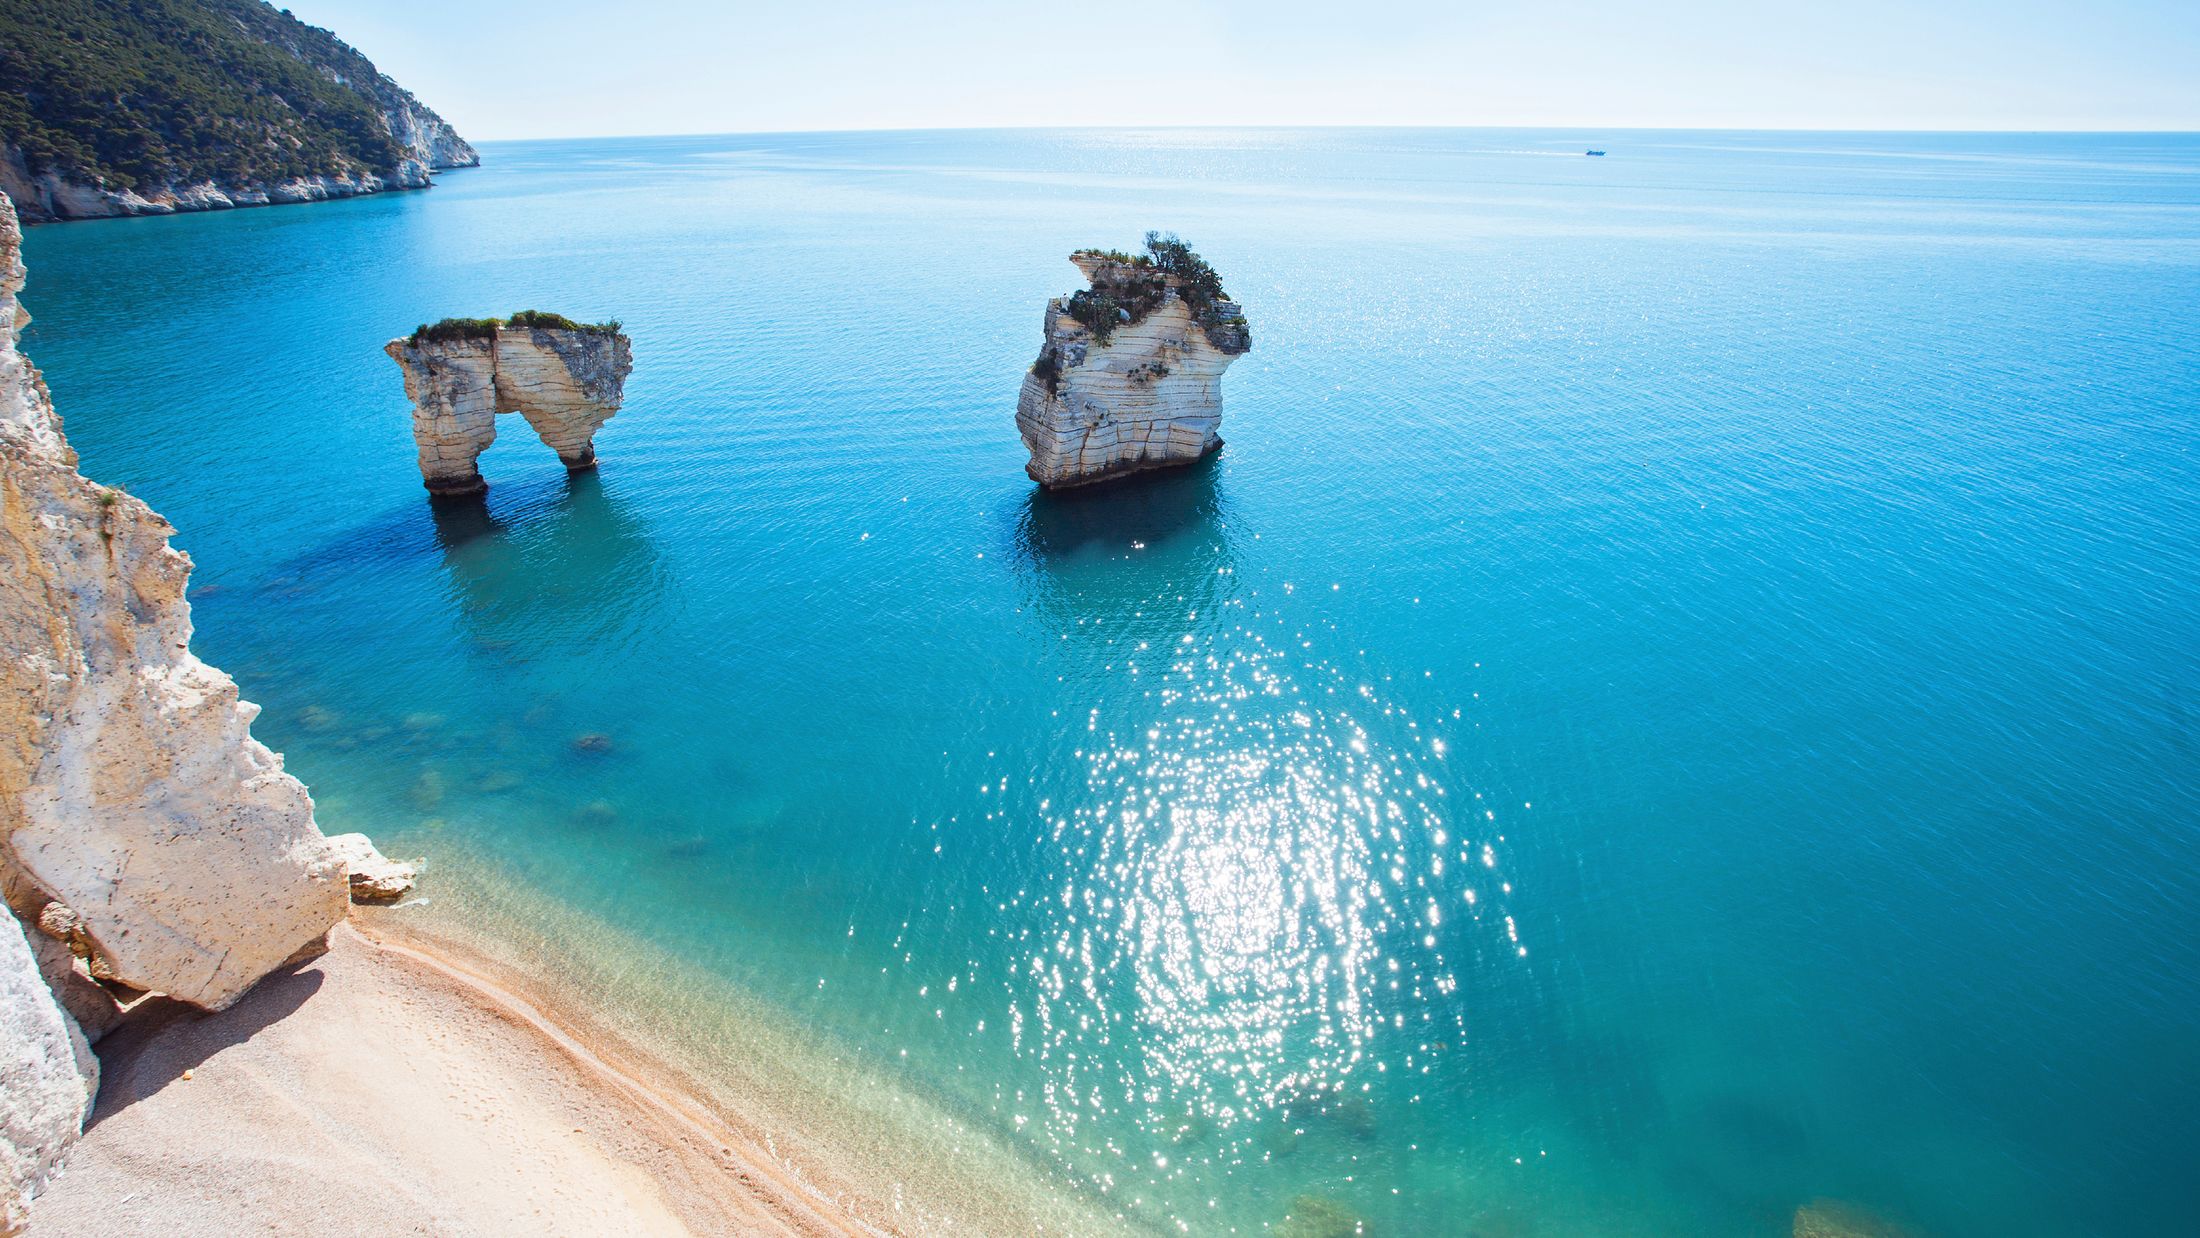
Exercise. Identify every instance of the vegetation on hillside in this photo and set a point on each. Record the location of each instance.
(1198, 283)
(146, 93)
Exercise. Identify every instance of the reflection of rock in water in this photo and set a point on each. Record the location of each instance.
(557, 562)
(1110, 561)
(1153, 509)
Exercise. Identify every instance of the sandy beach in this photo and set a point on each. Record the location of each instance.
(380, 1089)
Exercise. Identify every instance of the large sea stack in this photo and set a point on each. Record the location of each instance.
(566, 378)
(1130, 375)
(147, 841)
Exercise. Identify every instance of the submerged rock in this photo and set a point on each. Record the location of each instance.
(596, 814)
(1130, 375)
(1352, 1114)
(1312, 1216)
(374, 877)
(565, 378)
(427, 791)
(1832, 1218)
(497, 781)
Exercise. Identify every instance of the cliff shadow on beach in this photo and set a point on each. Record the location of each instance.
(164, 1040)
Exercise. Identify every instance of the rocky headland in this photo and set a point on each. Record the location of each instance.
(566, 378)
(1130, 375)
(193, 105)
(148, 844)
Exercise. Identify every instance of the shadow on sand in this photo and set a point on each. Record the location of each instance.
(164, 1037)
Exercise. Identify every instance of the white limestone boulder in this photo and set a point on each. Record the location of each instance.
(48, 1077)
(375, 878)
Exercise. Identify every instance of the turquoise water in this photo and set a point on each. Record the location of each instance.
(1677, 699)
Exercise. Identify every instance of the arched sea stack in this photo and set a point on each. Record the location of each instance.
(566, 378)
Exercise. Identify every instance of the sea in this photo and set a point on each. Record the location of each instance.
(1679, 698)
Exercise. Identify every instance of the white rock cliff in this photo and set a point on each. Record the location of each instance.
(47, 1078)
(1148, 395)
(565, 382)
(146, 839)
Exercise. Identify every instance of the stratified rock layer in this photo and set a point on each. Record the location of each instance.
(565, 383)
(1149, 397)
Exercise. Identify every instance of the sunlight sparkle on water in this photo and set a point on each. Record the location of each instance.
(1247, 906)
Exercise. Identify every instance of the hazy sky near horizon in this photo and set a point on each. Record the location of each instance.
(568, 68)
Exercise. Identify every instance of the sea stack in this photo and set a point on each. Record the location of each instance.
(566, 378)
(147, 841)
(1130, 375)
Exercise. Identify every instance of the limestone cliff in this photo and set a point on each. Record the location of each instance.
(566, 379)
(147, 841)
(1130, 375)
(47, 1078)
(131, 789)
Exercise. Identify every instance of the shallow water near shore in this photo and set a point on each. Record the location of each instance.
(1676, 700)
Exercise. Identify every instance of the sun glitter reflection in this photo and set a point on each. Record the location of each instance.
(1261, 883)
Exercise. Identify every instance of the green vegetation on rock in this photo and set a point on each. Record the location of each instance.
(456, 329)
(1127, 287)
(142, 94)
(486, 328)
(547, 321)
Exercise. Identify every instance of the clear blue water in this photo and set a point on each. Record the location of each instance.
(1677, 699)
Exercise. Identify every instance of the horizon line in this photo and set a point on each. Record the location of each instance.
(2193, 131)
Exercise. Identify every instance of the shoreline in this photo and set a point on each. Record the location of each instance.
(846, 1124)
(45, 199)
(436, 1092)
(608, 1106)
(664, 1096)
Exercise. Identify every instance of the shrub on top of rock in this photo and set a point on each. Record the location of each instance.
(1129, 374)
(486, 328)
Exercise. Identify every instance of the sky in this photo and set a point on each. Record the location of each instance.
(585, 68)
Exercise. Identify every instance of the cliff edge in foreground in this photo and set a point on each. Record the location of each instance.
(147, 841)
(566, 378)
(159, 106)
(1130, 376)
